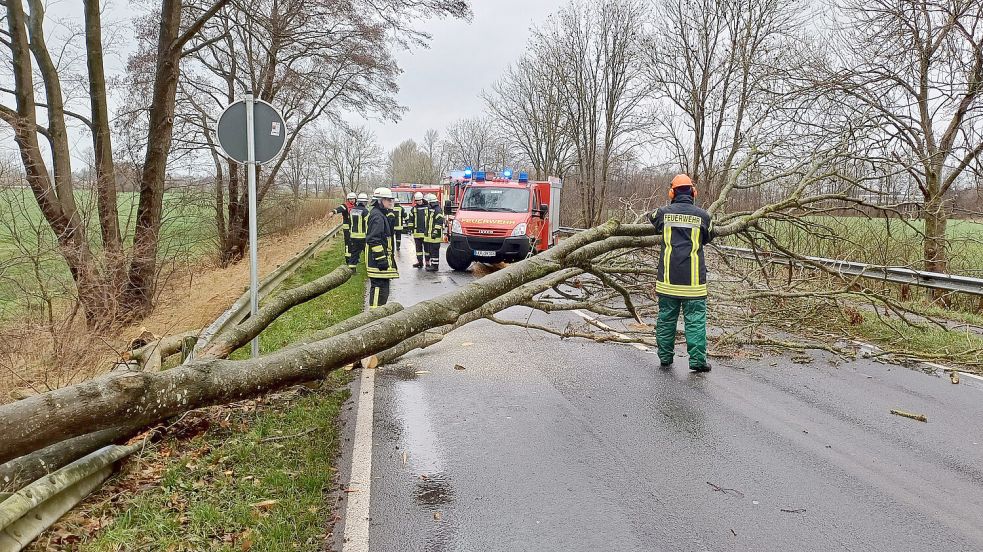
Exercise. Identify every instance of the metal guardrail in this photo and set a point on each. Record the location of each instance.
(28, 512)
(892, 274)
(239, 310)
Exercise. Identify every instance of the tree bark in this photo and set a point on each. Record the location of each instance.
(16, 474)
(138, 291)
(148, 397)
(55, 200)
(143, 270)
(101, 138)
(223, 344)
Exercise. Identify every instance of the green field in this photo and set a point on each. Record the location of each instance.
(879, 241)
(32, 271)
(31, 268)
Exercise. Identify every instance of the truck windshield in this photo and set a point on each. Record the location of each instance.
(507, 200)
(404, 197)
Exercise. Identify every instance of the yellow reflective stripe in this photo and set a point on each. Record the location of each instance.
(375, 298)
(378, 249)
(681, 291)
(694, 257)
(667, 238)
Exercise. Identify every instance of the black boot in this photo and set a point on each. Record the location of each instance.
(704, 368)
(418, 265)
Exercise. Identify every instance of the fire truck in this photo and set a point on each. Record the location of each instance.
(404, 192)
(499, 219)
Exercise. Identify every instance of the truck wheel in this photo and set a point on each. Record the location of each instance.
(458, 260)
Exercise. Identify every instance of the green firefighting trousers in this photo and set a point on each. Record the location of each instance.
(695, 321)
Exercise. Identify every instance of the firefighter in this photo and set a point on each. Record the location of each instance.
(380, 260)
(346, 221)
(398, 220)
(682, 273)
(359, 216)
(434, 234)
(418, 224)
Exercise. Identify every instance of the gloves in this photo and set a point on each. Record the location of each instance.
(383, 263)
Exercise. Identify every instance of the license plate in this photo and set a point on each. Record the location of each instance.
(484, 253)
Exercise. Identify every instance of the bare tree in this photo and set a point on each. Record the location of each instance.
(104, 292)
(713, 66)
(915, 70)
(436, 151)
(528, 108)
(351, 153)
(593, 53)
(422, 163)
(470, 142)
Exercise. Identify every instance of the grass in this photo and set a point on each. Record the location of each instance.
(880, 241)
(30, 263)
(927, 341)
(214, 491)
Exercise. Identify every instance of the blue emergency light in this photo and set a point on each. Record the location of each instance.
(507, 174)
(468, 172)
(479, 176)
(523, 177)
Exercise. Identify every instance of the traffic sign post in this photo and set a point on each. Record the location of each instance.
(250, 132)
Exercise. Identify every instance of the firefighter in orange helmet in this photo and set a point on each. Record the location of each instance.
(682, 273)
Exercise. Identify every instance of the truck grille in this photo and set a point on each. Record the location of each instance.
(486, 232)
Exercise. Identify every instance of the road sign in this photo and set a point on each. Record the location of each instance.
(268, 130)
(251, 131)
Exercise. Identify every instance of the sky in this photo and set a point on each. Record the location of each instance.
(442, 84)
(439, 84)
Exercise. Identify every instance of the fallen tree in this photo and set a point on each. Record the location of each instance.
(146, 397)
(143, 398)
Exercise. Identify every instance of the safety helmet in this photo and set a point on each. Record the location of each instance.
(681, 181)
(350, 196)
(383, 193)
(362, 197)
(431, 198)
(418, 196)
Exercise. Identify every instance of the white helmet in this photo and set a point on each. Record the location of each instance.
(362, 197)
(383, 193)
(418, 196)
(431, 198)
(350, 196)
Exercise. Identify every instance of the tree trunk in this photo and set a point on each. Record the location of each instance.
(144, 398)
(935, 242)
(59, 212)
(936, 258)
(102, 141)
(143, 270)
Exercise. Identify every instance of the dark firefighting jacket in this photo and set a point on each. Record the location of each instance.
(685, 229)
(418, 219)
(346, 220)
(400, 218)
(359, 217)
(435, 225)
(380, 261)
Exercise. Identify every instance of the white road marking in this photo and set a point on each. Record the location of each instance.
(605, 327)
(937, 366)
(356, 535)
(947, 369)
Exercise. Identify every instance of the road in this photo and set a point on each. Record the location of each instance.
(538, 445)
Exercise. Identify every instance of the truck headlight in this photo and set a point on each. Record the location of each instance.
(519, 230)
(456, 227)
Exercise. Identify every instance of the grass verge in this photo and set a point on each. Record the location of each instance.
(252, 476)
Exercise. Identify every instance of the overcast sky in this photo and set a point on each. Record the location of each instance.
(442, 84)
(439, 85)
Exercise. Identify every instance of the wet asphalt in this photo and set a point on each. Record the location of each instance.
(532, 443)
